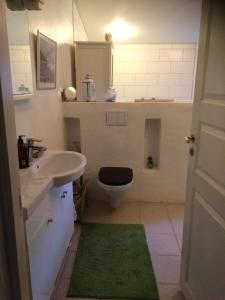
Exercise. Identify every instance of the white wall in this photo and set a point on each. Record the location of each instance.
(156, 21)
(17, 27)
(41, 117)
(154, 70)
(124, 146)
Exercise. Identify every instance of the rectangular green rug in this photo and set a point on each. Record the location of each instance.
(113, 262)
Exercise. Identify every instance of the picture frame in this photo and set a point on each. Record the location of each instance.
(46, 62)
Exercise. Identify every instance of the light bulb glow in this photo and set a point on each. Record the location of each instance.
(121, 30)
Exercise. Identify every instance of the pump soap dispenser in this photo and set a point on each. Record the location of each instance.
(23, 153)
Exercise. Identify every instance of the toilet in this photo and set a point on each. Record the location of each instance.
(115, 181)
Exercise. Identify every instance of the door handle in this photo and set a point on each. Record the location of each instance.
(190, 139)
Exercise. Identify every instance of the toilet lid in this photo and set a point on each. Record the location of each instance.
(115, 176)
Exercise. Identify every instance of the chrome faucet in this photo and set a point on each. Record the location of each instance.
(34, 151)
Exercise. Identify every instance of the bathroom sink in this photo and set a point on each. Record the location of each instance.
(62, 166)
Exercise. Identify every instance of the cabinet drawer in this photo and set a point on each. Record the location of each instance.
(61, 204)
(46, 254)
(38, 219)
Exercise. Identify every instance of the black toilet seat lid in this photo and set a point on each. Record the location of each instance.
(115, 175)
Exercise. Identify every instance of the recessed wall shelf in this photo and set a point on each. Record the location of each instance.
(152, 144)
(72, 134)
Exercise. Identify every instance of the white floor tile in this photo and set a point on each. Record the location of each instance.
(127, 213)
(157, 225)
(170, 292)
(153, 209)
(179, 239)
(167, 268)
(163, 244)
(175, 209)
(177, 224)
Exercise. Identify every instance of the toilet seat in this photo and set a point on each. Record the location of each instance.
(115, 176)
(115, 179)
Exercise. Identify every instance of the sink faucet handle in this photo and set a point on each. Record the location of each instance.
(30, 141)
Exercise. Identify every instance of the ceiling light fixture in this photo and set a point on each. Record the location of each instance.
(121, 30)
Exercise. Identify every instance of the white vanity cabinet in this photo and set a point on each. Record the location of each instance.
(49, 231)
(96, 59)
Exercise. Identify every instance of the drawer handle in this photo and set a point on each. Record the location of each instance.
(65, 192)
(50, 220)
(63, 196)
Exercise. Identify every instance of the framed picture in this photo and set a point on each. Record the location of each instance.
(46, 62)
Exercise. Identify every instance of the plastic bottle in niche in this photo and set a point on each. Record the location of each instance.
(23, 153)
(150, 163)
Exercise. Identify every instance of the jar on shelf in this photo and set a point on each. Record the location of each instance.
(88, 87)
(110, 95)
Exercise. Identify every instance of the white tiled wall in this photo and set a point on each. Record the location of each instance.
(20, 67)
(41, 117)
(154, 70)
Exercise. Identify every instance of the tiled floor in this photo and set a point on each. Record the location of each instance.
(163, 227)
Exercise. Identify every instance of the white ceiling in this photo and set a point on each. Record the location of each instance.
(157, 21)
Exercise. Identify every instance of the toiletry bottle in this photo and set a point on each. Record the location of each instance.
(23, 153)
(150, 163)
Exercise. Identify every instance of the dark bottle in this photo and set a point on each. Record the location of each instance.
(23, 153)
(150, 163)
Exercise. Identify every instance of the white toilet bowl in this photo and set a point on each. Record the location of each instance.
(115, 181)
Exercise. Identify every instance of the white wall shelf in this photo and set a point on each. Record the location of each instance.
(22, 97)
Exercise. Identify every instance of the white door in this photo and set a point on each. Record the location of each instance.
(203, 253)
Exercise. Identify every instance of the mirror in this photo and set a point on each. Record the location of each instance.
(19, 51)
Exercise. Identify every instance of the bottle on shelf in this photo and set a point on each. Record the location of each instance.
(150, 163)
(23, 153)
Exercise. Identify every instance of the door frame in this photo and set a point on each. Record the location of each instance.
(13, 237)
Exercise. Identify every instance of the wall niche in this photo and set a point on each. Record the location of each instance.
(152, 144)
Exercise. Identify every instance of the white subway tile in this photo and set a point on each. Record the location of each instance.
(118, 67)
(170, 54)
(154, 70)
(169, 79)
(182, 67)
(124, 79)
(190, 46)
(158, 91)
(186, 79)
(19, 79)
(16, 55)
(119, 90)
(146, 55)
(136, 55)
(135, 91)
(180, 92)
(159, 67)
(28, 79)
(28, 68)
(124, 55)
(188, 54)
(19, 67)
(30, 87)
(141, 46)
(135, 67)
(27, 55)
(146, 79)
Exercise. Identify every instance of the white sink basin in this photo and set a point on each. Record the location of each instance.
(62, 166)
(53, 169)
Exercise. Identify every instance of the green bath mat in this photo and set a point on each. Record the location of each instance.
(113, 262)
